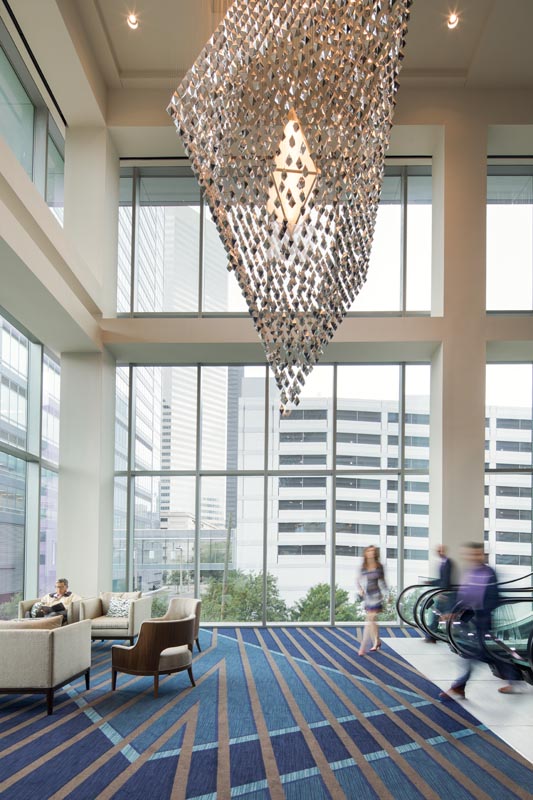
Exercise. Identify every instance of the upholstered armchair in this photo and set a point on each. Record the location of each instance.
(73, 613)
(116, 615)
(181, 607)
(163, 647)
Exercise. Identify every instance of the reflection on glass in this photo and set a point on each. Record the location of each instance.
(232, 412)
(12, 524)
(55, 181)
(299, 525)
(221, 290)
(167, 244)
(510, 241)
(50, 410)
(16, 119)
(13, 385)
(48, 531)
(124, 245)
(509, 446)
(418, 268)
(121, 418)
(231, 551)
(302, 437)
(163, 545)
(381, 290)
(119, 535)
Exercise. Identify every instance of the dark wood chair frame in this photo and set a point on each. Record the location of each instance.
(49, 692)
(154, 637)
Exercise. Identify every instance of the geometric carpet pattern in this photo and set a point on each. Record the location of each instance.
(288, 712)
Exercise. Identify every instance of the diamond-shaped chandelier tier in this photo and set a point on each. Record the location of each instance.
(286, 117)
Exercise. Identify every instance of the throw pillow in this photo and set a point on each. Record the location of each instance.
(46, 623)
(36, 607)
(118, 607)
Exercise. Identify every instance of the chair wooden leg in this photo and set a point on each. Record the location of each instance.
(87, 679)
(113, 679)
(156, 684)
(191, 676)
(49, 701)
(198, 645)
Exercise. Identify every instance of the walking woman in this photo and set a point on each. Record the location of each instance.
(372, 587)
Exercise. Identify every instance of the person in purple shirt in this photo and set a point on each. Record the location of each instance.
(478, 591)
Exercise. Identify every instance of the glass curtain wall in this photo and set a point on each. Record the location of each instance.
(171, 259)
(29, 451)
(259, 513)
(28, 128)
(510, 237)
(509, 469)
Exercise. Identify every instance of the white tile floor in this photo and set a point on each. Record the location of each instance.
(508, 716)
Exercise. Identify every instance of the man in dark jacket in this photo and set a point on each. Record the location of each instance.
(478, 593)
(444, 581)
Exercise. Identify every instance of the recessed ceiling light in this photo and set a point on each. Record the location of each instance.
(453, 20)
(133, 21)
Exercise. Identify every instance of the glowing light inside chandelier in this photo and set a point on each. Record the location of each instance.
(294, 175)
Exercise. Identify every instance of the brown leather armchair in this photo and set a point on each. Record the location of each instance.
(162, 648)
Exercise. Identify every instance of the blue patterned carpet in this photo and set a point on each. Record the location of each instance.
(276, 713)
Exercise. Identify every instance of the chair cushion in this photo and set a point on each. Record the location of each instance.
(105, 597)
(36, 607)
(110, 623)
(46, 623)
(174, 658)
(118, 607)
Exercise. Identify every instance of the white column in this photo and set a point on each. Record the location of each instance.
(458, 380)
(86, 456)
(91, 206)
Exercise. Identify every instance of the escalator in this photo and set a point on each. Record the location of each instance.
(508, 648)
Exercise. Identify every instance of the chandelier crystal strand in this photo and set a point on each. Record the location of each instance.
(286, 117)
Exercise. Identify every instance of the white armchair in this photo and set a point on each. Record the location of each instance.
(104, 626)
(181, 607)
(73, 613)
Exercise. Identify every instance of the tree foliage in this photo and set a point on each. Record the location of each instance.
(314, 607)
(243, 600)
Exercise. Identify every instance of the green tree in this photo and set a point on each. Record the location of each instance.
(243, 600)
(10, 609)
(314, 607)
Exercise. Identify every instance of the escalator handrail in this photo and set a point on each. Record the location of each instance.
(422, 605)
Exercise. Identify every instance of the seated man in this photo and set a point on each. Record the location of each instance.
(57, 603)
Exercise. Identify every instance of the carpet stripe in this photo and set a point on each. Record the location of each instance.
(458, 775)
(407, 729)
(223, 745)
(373, 779)
(269, 759)
(314, 746)
(424, 788)
(480, 730)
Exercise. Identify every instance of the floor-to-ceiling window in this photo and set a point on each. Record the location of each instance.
(171, 259)
(29, 453)
(29, 129)
(259, 512)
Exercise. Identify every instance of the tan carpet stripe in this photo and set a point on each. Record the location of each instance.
(445, 707)
(78, 779)
(312, 742)
(371, 776)
(179, 785)
(189, 719)
(424, 788)
(433, 752)
(223, 755)
(269, 759)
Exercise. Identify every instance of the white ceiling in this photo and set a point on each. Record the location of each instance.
(491, 47)
(103, 73)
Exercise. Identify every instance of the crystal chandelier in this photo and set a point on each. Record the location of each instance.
(286, 116)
